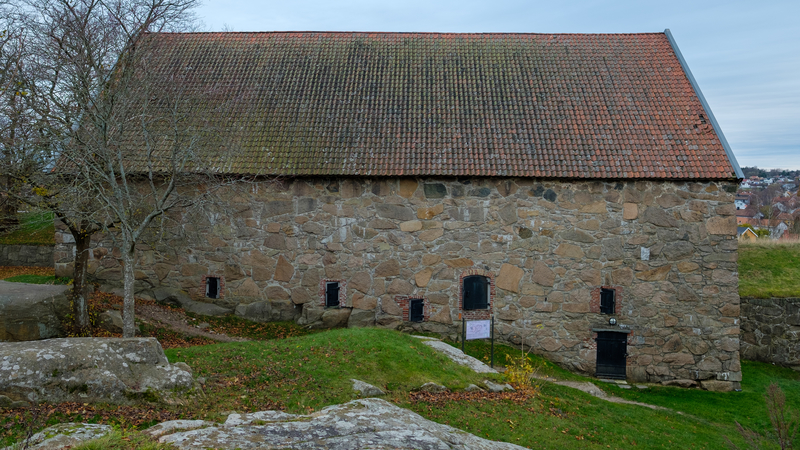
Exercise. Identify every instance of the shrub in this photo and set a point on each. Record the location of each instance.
(784, 423)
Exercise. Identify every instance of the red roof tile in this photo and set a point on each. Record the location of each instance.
(528, 105)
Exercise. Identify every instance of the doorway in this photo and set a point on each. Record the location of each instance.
(612, 355)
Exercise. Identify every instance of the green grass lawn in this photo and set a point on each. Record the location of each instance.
(482, 350)
(302, 374)
(769, 269)
(699, 419)
(35, 228)
(39, 279)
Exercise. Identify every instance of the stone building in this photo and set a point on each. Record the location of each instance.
(552, 181)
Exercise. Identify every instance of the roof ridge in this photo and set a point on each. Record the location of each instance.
(413, 32)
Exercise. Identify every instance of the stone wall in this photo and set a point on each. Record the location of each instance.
(771, 330)
(668, 248)
(26, 255)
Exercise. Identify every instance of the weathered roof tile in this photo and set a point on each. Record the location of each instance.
(527, 105)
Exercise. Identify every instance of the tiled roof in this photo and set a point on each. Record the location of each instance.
(391, 104)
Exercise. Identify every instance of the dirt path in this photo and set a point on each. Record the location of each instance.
(594, 391)
(177, 321)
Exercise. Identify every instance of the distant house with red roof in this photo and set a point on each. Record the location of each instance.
(550, 182)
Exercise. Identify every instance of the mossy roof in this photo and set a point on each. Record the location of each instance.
(606, 106)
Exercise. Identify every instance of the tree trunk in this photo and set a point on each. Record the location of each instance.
(128, 257)
(79, 307)
(9, 219)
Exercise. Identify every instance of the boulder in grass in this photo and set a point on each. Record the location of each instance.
(432, 387)
(497, 387)
(64, 436)
(366, 389)
(365, 423)
(29, 312)
(111, 321)
(91, 370)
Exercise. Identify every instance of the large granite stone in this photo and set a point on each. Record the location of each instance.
(89, 370)
(31, 311)
(64, 436)
(368, 423)
(269, 311)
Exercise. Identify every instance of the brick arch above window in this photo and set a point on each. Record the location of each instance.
(476, 314)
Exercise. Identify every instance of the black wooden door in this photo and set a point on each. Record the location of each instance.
(612, 352)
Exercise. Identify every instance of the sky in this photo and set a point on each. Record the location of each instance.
(745, 55)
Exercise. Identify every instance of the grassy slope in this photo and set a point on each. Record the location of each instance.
(35, 229)
(567, 418)
(307, 373)
(769, 270)
(746, 407)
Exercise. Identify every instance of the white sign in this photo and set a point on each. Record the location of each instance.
(479, 329)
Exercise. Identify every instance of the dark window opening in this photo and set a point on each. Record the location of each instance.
(476, 292)
(607, 301)
(332, 294)
(212, 287)
(416, 311)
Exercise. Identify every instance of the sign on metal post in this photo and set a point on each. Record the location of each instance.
(477, 329)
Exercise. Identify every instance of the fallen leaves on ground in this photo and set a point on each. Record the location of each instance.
(99, 302)
(254, 330)
(519, 396)
(40, 416)
(13, 271)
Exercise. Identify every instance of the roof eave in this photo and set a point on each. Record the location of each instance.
(699, 93)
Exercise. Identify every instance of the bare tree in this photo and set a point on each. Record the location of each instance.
(26, 152)
(12, 99)
(121, 134)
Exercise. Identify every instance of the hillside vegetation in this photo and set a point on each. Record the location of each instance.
(34, 229)
(769, 269)
(305, 373)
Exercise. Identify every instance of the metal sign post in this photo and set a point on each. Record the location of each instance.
(463, 333)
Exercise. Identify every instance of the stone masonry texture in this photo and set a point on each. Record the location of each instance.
(26, 255)
(771, 330)
(545, 245)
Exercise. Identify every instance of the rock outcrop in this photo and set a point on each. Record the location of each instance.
(64, 436)
(31, 311)
(367, 423)
(107, 370)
